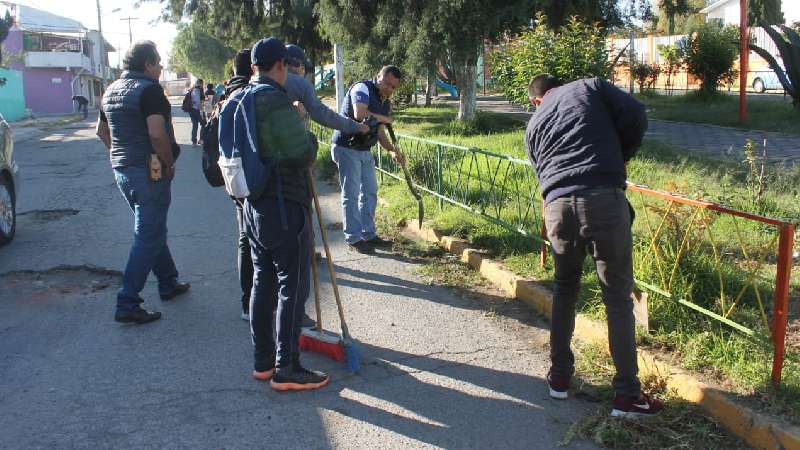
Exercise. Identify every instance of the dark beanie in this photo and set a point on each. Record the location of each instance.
(241, 63)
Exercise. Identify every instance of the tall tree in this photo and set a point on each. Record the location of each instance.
(239, 23)
(5, 26)
(418, 32)
(558, 12)
(198, 52)
(768, 11)
(673, 10)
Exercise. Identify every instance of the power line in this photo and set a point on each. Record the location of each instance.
(130, 30)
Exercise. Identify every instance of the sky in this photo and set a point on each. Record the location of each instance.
(114, 30)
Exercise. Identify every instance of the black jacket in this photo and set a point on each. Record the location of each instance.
(581, 136)
(235, 83)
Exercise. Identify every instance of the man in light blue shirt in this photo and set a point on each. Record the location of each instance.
(351, 153)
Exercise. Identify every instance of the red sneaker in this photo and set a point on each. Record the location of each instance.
(633, 407)
(558, 386)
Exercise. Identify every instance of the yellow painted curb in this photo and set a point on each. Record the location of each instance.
(755, 428)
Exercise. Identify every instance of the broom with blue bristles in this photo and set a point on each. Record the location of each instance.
(340, 348)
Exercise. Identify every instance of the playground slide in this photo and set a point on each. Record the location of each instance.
(328, 76)
(448, 87)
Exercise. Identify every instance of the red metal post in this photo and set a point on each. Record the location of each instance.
(781, 308)
(744, 52)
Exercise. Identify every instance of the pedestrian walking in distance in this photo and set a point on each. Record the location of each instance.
(579, 140)
(135, 125)
(83, 104)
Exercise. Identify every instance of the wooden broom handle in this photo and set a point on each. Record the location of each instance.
(345, 332)
(317, 306)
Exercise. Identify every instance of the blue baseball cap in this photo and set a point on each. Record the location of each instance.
(267, 51)
(296, 56)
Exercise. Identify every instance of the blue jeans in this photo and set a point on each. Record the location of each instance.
(281, 255)
(359, 192)
(194, 114)
(149, 201)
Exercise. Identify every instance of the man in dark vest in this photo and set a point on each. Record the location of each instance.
(351, 152)
(136, 126)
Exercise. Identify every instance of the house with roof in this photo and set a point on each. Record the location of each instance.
(49, 59)
(727, 11)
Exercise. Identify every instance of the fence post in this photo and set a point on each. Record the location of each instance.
(439, 175)
(781, 308)
(380, 162)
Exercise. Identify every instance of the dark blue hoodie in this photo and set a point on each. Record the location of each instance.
(581, 135)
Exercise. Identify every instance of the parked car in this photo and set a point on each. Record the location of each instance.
(764, 80)
(8, 185)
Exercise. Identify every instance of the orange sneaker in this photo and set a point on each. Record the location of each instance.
(265, 375)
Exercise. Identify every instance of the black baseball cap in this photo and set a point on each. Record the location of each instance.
(267, 51)
(296, 56)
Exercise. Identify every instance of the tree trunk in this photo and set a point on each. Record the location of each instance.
(430, 90)
(466, 74)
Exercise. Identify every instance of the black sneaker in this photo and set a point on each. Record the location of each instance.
(559, 386)
(179, 289)
(297, 378)
(362, 247)
(633, 407)
(377, 241)
(138, 316)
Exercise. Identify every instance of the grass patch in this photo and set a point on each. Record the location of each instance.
(681, 425)
(739, 364)
(766, 114)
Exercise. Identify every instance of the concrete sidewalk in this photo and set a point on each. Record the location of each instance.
(439, 370)
(707, 140)
(28, 129)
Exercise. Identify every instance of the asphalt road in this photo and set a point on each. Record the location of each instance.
(438, 370)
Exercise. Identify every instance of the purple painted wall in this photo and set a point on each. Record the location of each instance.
(43, 95)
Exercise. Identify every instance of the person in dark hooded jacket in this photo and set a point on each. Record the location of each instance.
(241, 78)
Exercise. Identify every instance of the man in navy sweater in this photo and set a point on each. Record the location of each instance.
(580, 140)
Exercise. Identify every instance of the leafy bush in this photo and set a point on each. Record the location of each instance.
(576, 50)
(673, 61)
(709, 53)
(645, 75)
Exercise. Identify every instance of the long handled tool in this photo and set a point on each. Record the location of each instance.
(340, 348)
(409, 182)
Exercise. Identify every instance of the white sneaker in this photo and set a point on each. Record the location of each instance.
(245, 316)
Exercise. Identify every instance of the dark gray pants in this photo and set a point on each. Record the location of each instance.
(596, 221)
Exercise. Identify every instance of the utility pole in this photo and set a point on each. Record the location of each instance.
(130, 32)
(103, 55)
(338, 59)
(631, 59)
(744, 53)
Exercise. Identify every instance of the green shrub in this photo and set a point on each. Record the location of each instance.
(673, 62)
(645, 75)
(709, 53)
(576, 50)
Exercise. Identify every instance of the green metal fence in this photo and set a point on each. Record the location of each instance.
(722, 263)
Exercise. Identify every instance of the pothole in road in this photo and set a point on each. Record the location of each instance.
(49, 215)
(59, 282)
